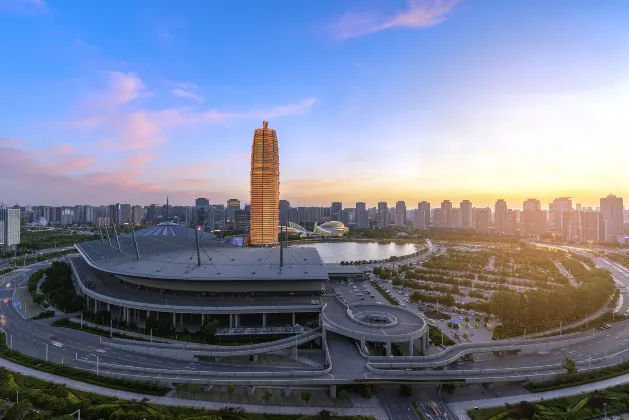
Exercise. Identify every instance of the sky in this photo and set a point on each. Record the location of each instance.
(373, 100)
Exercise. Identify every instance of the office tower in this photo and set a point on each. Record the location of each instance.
(67, 216)
(533, 219)
(593, 226)
(400, 214)
(335, 211)
(9, 227)
(265, 186)
(137, 213)
(531, 204)
(578, 207)
(79, 214)
(456, 218)
(88, 214)
(556, 211)
(512, 222)
(284, 206)
(612, 212)
(345, 217)
(425, 207)
(437, 218)
(362, 216)
(125, 213)
(419, 219)
(500, 216)
(233, 204)
(466, 213)
(446, 208)
(383, 215)
(201, 205)
(483, 220)
(242, 219)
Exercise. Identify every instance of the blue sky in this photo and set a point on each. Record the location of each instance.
(373, 100)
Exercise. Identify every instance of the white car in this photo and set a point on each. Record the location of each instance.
(57, 344)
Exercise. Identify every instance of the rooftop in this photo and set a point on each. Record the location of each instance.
(175, 257)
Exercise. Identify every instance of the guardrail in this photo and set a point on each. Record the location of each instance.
(191, 354)
(461, 350)
(211, 347)
(209, 373)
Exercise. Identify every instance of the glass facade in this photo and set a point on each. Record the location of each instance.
(265, 187)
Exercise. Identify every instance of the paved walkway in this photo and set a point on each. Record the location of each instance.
(377, 412)
(460, 408)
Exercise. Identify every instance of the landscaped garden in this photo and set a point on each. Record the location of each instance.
(611, 401)
(29, 398)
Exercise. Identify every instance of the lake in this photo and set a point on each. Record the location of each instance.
(335, 252)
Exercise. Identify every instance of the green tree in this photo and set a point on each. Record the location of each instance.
(209, 327)
(230, 390)
(18, 411)
(342, 396)
(177, 389)
(192, 389)
(306, 396)
(165, 325)
(267, 395)
(569, 365)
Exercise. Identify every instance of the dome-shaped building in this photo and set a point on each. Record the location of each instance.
(331, 229)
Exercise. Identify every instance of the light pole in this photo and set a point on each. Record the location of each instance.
(605, 409)
(78, 414)
(17, 395)
(46, 351)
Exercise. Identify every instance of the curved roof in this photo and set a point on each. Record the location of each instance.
(175, 258)
(171, 229)
(333, 228)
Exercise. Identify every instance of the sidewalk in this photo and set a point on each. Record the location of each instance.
(377, 412)
(460, 408)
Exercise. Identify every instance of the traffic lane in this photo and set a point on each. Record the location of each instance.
(33, 338)
(396, 405)
(434, 410)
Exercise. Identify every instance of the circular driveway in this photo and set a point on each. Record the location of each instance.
(350, 322)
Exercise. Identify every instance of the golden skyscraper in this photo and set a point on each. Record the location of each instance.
(265, 187)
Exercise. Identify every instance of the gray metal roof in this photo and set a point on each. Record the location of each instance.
(175, 257)
(171, 229)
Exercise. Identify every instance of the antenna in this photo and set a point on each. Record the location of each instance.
(223, 225)
(135, 242)
(117, 239)
(167, 209)
(196, 235)
(107, 231)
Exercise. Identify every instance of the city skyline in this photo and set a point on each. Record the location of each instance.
(91, 116)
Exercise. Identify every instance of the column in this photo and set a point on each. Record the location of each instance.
(294, 322)
(148, 313)
(387, 346)
(174, 320)
(363, 345)
(202, 319)
(287, 391)
(264, 318)
(411, 348)
(231, 321)
(95, 306)
(236, 320)
(108, 307)
(250, 390)
(333, 392)
(424, 341)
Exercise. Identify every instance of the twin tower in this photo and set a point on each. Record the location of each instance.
(265, 187)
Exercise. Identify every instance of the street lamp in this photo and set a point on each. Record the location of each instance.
(605, 410)
(78, 414)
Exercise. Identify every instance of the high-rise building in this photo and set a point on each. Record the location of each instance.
(456, 218)
(419, 219)
(446, 207)
(362, 216)
(500, 216)
(88, 213)
(437, 218)
(556, 211)
(136, 214)
(466, 213)
(233, 204)
(79, 214)
(400, 214)
(612, 211)
(533, 219)
(335, 211)
(383, 215)
(125, 213)
(425, 207)
(265, 186)
(593, 226)
(201, 205)
(9, 227)
(512, 222)
(483, 220)
(284, 207)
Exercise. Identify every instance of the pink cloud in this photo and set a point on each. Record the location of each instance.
(142, 159)
(421, 14)
(62, 149)
(137, 130)
(187, 94)
(77, 164)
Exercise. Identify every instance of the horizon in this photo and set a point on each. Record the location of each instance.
(372, 101)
